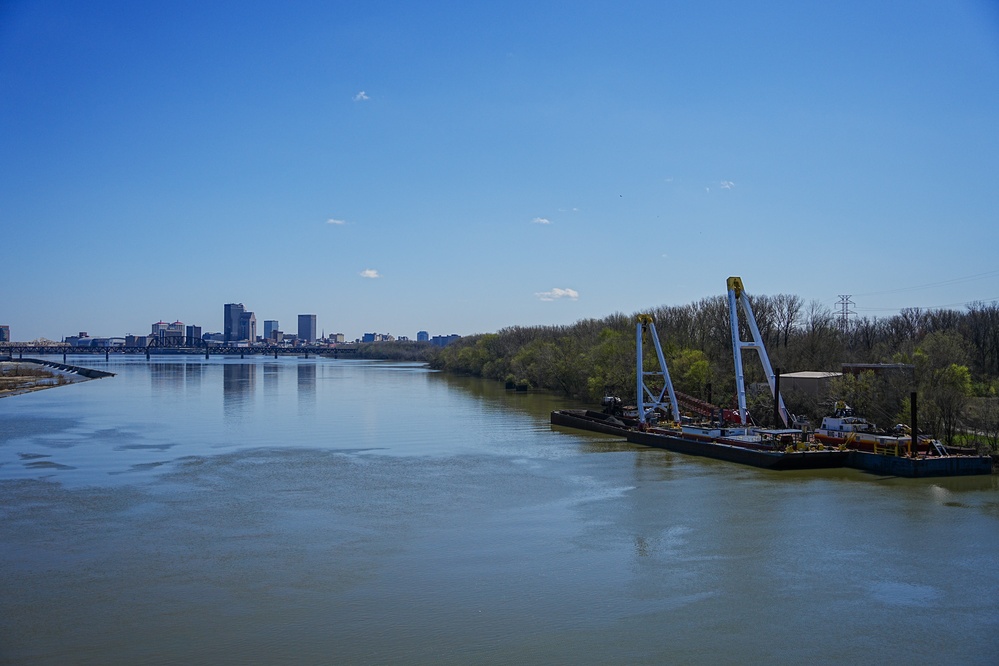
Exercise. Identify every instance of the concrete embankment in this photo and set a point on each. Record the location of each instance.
(15, 382)
(89, 373)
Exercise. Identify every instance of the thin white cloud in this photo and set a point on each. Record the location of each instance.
(558, 293)
(335, 221)
(370, 273)
(361, 97)
(727, 184)
(541, 220)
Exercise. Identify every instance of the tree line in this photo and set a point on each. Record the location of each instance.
(949, 357)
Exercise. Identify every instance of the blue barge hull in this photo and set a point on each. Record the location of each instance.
(919, 467)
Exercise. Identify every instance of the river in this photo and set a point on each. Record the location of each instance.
(317, 511)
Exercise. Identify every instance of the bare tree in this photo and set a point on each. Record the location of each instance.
(787, 313)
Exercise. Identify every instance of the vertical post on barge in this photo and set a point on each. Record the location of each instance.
(776, 393)
(640, 372)
(737, 295)
(644, 323)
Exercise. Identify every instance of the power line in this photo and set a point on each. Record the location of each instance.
(942, 283)
(931, 307)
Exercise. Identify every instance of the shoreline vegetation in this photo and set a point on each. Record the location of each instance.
(19, 377)
(949, 358)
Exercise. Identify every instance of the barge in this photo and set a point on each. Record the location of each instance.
(838, 443)
(594, 421)
(758, 448)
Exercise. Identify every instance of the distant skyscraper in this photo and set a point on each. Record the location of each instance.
(175, 334)
(248, 327)
(307, 327)
(4, 333)
(193, 335)
(270, 325)
(168, 335)
(230, 321)
(422, 336)
(444, 340)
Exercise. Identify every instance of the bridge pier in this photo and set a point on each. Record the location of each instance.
(241, 354)
(107, 355)
(275, 354)
(64, 357)
(147, 353)
(206, 352)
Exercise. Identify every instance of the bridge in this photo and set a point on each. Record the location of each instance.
(18, 350)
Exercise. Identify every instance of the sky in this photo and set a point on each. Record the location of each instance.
(461, 167)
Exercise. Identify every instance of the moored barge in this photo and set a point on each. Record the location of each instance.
(836, 443)
(762, 448)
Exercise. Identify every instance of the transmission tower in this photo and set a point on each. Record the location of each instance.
(845, 312)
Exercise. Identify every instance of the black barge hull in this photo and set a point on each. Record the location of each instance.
(583, 419)
(587, 419)
(775, 460)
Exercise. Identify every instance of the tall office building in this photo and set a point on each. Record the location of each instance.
(248, 327)
(270, 325)
(307, 327)
(193, 335)
(4, 333)
(174, 334)
(230, 321)
(168, 335)
(422, 336)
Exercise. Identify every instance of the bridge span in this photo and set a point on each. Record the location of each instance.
(18, 351)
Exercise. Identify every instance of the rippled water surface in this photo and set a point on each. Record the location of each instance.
(321, 511)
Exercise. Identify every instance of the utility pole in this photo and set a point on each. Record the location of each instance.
(845, 312)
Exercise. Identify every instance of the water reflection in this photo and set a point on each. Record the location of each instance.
(167, 377)
(271, 373)
(306, 380)
(193, 374)
(172, 379)
(238, 383)
(306, 388)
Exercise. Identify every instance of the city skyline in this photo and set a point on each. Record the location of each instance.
(234, 327)
(398, 167)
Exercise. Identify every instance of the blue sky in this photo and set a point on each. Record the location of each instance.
(459, 167)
